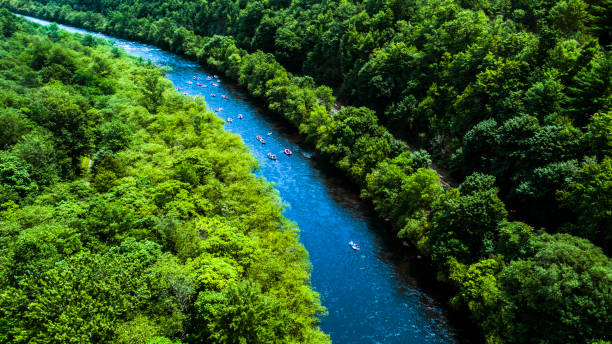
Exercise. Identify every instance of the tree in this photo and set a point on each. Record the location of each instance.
(599, 134)
(590, 198)
(112, 135)
(263, 39)
(563, 288)
(106, 169)
(400, 187)
(37, 150)
(63, 112)
(464, 219)
(8, 23)
(478, 290)
(515, 240)
(13, 125)
(590, 90)
(477, 152)
(569, 15)
(242, 314)
(15, 180)
(600, 15)
(152, 86)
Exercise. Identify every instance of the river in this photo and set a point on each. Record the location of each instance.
(372, 295)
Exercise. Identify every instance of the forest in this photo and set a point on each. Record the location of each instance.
(512, 97)
(127, 213)
(451, 77)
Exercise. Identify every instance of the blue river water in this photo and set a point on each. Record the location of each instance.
(370, 296)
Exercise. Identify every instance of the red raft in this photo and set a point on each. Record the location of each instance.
(288, 151)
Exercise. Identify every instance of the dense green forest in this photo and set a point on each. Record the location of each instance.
(127, 213)
(515, 96)
(507, 88)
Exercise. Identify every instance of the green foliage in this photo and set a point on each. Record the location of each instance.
(7, 26)
(13, 125)
(515, 240)
(564, 287)
(62, 110)
(478, 288)
(114, 135)
(531, 162)
(37, 150)
(590, 196)
(15, 180)
(466, 219)
(400, 188)
(242, 314)
(599, 134)
(122, 201)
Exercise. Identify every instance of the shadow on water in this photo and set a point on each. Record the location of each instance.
(383, 293)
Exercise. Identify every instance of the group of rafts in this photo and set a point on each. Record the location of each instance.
(271, 156)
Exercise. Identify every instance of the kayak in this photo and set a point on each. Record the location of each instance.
(288, 151)
(260, 139)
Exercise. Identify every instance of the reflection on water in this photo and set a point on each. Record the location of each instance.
(371, 294)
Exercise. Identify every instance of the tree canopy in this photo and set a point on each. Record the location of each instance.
(127, 213)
